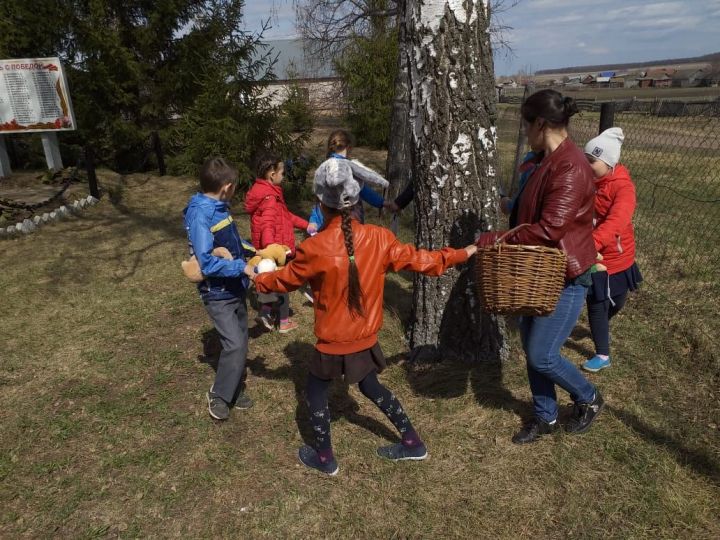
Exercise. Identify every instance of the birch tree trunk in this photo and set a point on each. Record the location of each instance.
(452, 118)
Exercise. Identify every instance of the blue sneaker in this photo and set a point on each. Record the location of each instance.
(596, 363)
(309, 457)
(400, 452)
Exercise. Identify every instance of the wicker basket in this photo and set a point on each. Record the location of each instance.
(519, 280)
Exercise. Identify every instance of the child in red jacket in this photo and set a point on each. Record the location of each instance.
(272, 223)
(614, 240)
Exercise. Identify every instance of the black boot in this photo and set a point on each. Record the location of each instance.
(533, 430)
(584, 414)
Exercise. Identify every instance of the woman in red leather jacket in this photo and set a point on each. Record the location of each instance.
(557, 203)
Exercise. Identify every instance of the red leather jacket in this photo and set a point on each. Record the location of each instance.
(271, 222)
(558, 201)
(323, 262)
(614, 208)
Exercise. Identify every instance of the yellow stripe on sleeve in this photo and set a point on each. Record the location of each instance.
(221, 224)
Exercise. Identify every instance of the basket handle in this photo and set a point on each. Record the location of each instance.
(511, 231)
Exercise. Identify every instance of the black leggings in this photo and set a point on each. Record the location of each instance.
(281, 305)
(599, 315)
(317, 400)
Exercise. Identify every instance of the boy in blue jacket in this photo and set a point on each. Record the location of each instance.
(209, 225)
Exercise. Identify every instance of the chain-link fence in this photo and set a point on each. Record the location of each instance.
(672, 150)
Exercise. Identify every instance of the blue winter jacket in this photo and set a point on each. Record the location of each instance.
(209, 225)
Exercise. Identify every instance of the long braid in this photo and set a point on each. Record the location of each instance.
(355, 292)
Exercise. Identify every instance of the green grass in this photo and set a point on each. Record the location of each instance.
(106, 434)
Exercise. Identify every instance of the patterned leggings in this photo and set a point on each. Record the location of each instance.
(317, 400)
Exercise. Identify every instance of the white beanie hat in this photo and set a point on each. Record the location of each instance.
(606, 146)
(338, 181)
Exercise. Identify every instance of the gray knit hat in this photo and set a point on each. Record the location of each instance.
(606, 146)
(338, 182)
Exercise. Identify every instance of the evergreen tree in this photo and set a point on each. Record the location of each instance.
(367, 67)
(136, 66)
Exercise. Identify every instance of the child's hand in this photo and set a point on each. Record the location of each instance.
(312, 229)
(487, 239)
(250, 271)
(390, 205)
(471, 250)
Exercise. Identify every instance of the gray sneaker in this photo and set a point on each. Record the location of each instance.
(243, 402)
(400, 452)
(217, 408)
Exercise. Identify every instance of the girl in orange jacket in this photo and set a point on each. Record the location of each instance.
(345, 265)
(614, 241)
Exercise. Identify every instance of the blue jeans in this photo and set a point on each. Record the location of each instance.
(542, 338)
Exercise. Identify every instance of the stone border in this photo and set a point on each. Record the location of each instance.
(28, 226)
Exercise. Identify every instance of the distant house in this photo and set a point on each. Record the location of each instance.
(602, 80)
(631, 79)
(710, 77)
(662, 81)
(588, 80)
(657, 78)
(317, 81)
(573, 81)
(617, 82)
(687, 78)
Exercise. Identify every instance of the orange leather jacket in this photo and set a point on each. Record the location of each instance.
(322, 261)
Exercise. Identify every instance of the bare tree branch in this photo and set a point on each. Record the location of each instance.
(328, 25)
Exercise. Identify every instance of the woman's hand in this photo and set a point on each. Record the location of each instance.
(471, 250)
(312, 229)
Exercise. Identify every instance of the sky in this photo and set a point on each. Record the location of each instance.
(560, 33)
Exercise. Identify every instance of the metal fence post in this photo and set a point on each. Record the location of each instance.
(607, 115)
(90, 167)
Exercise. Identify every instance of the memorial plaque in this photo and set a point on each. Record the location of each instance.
(34, 96)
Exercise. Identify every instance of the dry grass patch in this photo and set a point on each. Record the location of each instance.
(105, 431)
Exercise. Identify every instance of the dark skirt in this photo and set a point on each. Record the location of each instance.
(354, 367)
(615, 284)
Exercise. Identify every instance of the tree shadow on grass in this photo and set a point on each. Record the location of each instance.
(93, 251)
(451, 379)
(575, 342)
(699, 461)
(340, 402)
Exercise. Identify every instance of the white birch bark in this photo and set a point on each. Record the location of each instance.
(452, 116)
